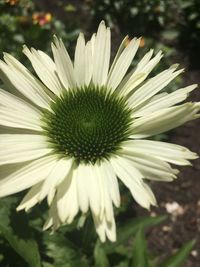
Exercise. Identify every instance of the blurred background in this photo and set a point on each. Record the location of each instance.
(170, 25)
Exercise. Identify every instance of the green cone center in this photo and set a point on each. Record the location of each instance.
(88, 124)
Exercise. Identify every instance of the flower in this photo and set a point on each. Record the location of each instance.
(70, 134)
(41, 18)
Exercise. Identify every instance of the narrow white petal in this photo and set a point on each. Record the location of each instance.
(31, 198)
(18, 119)
(123, 62)
(22, 147)
(67, 201)
(79, 61)
(27, 176)
(57, 175)
(45, 69)
(88, 63)
(152, 87)
(26, 84)
(164, 120)
(165, 101)
(119, 52)
(101, 55)
(63, 62)
(143, 69)
(132, 179)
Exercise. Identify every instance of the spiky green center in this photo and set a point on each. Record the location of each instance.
(88, 124)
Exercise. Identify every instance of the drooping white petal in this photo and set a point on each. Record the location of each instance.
(45, 69)
(112, 183)
(152, 87)
(67, 201)
(105, 228)
(18, 119)
(164, 120)
(31, 174)
(172, 153)
(106, 201)
(82, 179)
(79, 61)
(164, 101)
(101, 55)
(122, 64)
(22, 147)
(63, 63)
(141, 72)
(89, 196)
(31, 198)
(53, 220)
(132, 179)
(25, 83)
(57, 175)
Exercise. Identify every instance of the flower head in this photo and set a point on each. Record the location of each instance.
(71, 133)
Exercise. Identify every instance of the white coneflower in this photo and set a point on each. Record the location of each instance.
(72, 133)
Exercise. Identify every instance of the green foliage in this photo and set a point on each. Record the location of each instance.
(19, 236)
(178, 259)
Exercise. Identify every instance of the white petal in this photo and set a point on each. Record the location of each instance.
(172, 153)
(53, 220)
(143, 69)
(63, 62)
(27, 176)
(22, 147)
(105, 228)
(112, 184)
(31, 198)
(123, 62)
(164, 120)
(88, 63)
(150, 166)
(165, 101)
(132, 179)
(83, 186)
(67, 201)
(152, 87)
(18, 119)
(101, 55)
(57, 175)
(25, 82)
(119, 51)
(79, 61)
(15, 103)
(45, 69)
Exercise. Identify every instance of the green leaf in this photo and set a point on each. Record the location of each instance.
(63, 252)
(130, 228)
(180, 256)
(100, 257)
(140, 253)
(15, 229)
